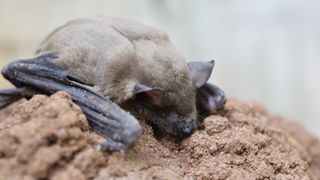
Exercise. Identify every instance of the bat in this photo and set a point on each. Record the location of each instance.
(116, 70)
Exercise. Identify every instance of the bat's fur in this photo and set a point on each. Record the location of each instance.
(116, 54)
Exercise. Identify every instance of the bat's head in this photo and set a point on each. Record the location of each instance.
(171, 107)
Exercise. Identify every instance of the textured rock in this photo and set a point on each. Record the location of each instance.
(48, 137)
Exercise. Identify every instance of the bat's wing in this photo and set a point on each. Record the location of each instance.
(40, 74)
(8, 96)
(210, 99)
(6, 100)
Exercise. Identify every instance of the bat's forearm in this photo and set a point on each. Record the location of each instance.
(105, 117)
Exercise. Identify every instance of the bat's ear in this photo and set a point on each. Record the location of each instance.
(200, 71)
(153, 96)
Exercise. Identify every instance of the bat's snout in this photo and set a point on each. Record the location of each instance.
(188, 128)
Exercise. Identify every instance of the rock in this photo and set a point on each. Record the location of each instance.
(43, 137)
(49, 137)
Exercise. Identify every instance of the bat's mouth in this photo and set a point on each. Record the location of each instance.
(180, 128)
(188, 129)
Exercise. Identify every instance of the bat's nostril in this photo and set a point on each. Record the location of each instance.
(188, 129)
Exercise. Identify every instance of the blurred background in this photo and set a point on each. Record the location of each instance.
(265, 51)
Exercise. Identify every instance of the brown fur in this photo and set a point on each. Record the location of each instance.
(114, 54)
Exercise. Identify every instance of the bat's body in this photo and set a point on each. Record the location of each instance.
(99, 61)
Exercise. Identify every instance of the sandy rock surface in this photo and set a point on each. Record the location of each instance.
(49, 138)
